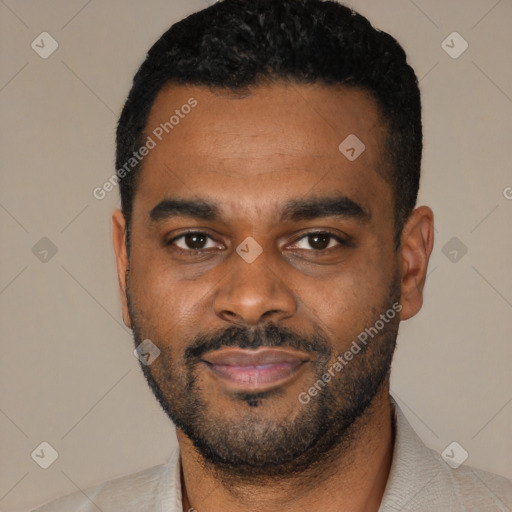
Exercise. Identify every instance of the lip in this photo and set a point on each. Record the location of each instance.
(259, 369)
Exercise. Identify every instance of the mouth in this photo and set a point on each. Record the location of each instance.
(262, 369)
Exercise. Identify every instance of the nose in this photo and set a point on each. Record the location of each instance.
(253, 293)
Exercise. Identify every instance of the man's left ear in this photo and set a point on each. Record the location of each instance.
(416, 245)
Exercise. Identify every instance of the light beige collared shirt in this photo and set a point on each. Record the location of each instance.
(419, 481)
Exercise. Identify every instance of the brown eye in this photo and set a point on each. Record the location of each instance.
(319, 241)
(193, 241)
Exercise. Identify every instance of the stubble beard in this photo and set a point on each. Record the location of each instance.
(250, 445)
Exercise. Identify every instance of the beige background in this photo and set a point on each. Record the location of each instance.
(68, 375)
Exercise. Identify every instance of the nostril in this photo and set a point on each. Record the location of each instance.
(270, 313)
(229, 315)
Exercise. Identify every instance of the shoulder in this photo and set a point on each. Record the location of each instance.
(144, 490)
(460, 489)
(421, 480)
(480, 489)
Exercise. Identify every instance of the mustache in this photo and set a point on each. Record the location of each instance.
(270, 335)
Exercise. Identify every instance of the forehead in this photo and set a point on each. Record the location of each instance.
(270, 141)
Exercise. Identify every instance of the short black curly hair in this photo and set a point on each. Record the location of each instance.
(234, 44)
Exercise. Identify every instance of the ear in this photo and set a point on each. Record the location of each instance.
(416, 245)
(119, 239)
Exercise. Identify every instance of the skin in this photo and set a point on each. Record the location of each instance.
(250, 155)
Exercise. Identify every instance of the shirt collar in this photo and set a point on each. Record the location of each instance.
(413, 466)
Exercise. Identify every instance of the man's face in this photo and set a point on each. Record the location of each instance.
(315, 266)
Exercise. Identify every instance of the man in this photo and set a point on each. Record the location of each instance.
(268, 246)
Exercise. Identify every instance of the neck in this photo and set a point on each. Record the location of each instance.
(351, 479)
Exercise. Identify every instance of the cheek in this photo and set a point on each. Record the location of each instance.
(351, 298)
(166, 304)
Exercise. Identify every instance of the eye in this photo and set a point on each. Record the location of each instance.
(194, 241)
(318, 241)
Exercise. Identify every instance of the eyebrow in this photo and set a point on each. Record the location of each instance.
(294, 210)
(315, 208)
(196, 208)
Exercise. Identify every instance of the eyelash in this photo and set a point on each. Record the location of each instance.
(341, 241)
(190, 252)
